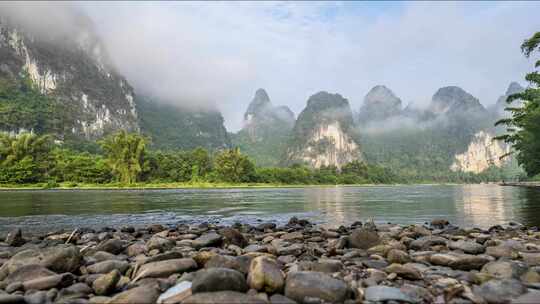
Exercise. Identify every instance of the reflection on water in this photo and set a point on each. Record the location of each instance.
(468, 205)
(485, 205)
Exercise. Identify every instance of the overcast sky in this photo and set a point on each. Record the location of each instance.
(220, 53)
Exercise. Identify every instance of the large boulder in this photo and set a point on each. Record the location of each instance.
(160, 243)
(146, 294)
(106, 283)
(114, 246)
(265, 274)
(208, 239)
(386, 293)
(166, 268)
(62, 258)
(15, 238)
(219, 279)
(364, 238)
(229, 297)
(233, 236)
(505, 269)
(303, 286)
(459, 261)
(108, 266)
(500, 291)
(46, 283)
(467, 246)
(28, 272)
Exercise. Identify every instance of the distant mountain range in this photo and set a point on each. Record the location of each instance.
(75, 75)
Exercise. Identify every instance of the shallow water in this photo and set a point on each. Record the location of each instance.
(466, 205)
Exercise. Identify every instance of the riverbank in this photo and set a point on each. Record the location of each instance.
(522, 184)
(190, 185)
(295, 263)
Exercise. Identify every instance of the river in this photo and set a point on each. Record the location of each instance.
(465, 205)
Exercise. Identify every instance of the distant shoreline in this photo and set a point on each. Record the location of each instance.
(173, 186)
(522, 184)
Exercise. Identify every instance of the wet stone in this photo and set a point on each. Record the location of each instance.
(166, 268)
(15, 238)
(385, 293)
(233, 236)
(106, 284)
(303, 285)
(223, 297)
(114, 246)
(467, 246)
(265, 274)
(500, 291)
(207, 240)
(363, 238)
(218, 279)
(108, 266)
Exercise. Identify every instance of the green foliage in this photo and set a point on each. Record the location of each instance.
(265, 152)
(426, 153)
(25, 158)
(72, 166)
(231, 166)
(29, 158)
(23, 107)
(169, 166)
(173, 128)
(523, 128)
(125, 155)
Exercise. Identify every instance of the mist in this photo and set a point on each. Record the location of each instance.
(215, 55)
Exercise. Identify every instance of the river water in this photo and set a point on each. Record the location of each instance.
(465, 205)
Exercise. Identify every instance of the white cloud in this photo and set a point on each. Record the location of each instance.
(219, 53)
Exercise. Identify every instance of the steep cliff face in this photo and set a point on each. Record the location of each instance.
(324, 133)
(172, 127)
(379, 104)
(262, 119)
(73, 69)
(501, 104)
(454, 100)
(266, 130)
(482, 153)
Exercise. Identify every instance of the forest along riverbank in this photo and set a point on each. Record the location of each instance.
(297, 262)
(522, 184)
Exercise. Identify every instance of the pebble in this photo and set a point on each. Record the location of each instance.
(296, 263)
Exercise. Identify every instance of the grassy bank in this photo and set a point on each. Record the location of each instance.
(188, 185)
(118, 186)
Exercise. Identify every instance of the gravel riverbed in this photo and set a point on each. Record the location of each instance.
(295, 263)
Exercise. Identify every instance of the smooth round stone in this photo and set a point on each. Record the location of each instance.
(302, 285)
(218, 279)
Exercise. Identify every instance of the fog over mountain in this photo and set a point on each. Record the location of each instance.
(218, 54)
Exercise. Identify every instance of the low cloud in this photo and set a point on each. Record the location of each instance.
(218, 54)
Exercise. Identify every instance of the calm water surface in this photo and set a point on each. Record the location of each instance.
(467, 205)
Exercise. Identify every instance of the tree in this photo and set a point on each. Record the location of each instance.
(25, 158)
(201, 163)
(126, 155)
(524, 126)
(232, 166)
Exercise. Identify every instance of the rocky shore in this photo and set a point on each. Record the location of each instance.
(296, 263)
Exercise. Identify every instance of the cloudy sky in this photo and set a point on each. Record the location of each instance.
(220, 53)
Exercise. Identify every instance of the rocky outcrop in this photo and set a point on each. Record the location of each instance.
(72, 68)
(379, 104)
(324, 134)
(453, 100)
(172, 127)
(501, 104)
(429, 263)
(262, 119)
(482, 153)
(266, 130)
